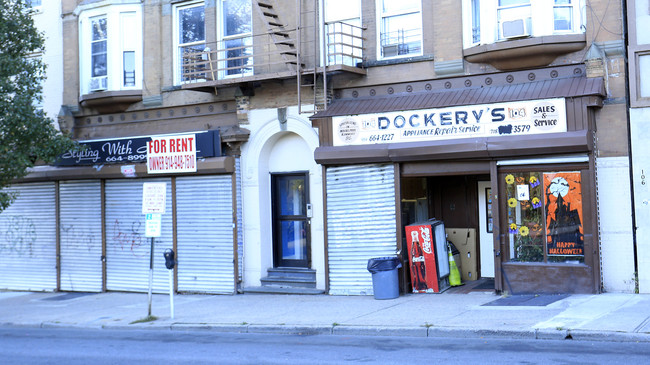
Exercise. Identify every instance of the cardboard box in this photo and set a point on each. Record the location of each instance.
(465, 241)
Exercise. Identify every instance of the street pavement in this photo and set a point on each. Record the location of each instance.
(477, 314)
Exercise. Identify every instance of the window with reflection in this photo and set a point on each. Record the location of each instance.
(400, 24)
(544, 216)
(189, 39)
(490, 21)
(110, 47)
(236, 21)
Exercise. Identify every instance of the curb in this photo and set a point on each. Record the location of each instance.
(345, 330)
(480, 333)
(379, 331)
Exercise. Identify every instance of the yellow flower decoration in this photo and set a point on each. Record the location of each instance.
(513, 226)
(523, 230)
(512, 202)
(532, 179)
(510, 179)
(535, 200)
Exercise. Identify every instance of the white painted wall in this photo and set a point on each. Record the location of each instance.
(639, 121)
(48, 20)
(276, 147)
(615, 210)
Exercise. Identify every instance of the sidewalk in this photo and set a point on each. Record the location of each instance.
(601, 317)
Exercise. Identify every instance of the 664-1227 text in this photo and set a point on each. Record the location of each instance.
(381, 137)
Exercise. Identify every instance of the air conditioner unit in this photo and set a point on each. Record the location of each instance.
(99, 83)
(515, 28)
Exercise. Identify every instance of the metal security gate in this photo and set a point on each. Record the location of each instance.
(127, 248)
(360, 224)
(28, 239)
(80, 231)
(205, 238)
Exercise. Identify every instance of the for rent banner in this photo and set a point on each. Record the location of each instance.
(171, 154)
(470, 121)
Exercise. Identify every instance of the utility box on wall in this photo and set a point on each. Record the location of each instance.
(465, 241)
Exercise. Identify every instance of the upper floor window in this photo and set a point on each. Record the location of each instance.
(189, 37)
(110, 49)
(400, 23)
(343, 32)
(236, 38)
(489, 21)
(33, 3)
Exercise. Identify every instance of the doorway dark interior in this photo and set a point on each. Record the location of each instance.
(451, 199)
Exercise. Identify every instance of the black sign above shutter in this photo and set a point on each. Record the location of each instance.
(132, 150)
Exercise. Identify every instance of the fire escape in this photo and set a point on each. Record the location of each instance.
(296, 45)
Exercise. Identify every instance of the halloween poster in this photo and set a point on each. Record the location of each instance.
(563, 199)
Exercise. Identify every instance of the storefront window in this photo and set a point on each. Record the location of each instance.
(544, 216)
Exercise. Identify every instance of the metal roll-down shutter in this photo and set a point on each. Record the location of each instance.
(127, 248)
(205, 239)
(80, 210)
(28, 239)
(360, 224)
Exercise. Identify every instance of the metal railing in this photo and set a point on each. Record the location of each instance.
(261, 56)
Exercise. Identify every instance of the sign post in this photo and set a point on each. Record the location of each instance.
(154, 200)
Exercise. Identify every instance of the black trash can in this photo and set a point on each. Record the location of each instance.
(385, 283)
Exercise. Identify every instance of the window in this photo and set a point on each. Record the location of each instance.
(638, 15)
(563, 15)
(98, 54)
(236, 36)
(110, 48)
(545, 220)
(490, 21)
(400, 23)
(189, 38)
(513, 18)
(344, 32)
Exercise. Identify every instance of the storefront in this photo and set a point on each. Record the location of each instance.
(78, 226)
(507, 164)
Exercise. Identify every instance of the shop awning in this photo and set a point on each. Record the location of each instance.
(553, 88)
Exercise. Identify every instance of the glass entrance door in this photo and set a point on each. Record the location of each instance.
(290, 220)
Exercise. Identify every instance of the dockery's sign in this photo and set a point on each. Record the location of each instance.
(484, 120)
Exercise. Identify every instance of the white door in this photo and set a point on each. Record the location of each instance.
(486, 243)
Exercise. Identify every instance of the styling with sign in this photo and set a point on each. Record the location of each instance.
(483, 120)
(131, 150)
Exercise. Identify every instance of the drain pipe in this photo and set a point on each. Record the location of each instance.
(629, 143)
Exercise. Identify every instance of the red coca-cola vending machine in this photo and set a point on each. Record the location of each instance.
(428, 258)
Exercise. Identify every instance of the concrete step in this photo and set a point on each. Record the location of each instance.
(288, 282)
(292, 272)
(280, 290)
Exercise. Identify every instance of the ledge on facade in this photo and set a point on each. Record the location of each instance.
(210, 165)
(232, 134)
(111, 101)
(525, 53)
(470, 148)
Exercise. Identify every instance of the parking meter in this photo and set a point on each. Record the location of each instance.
(169, 258)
